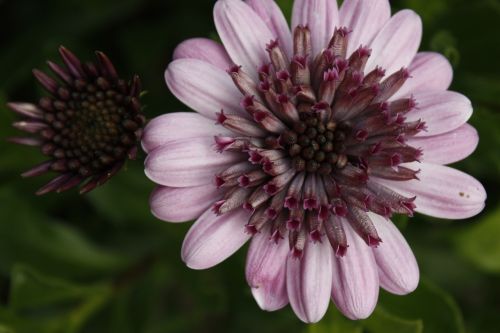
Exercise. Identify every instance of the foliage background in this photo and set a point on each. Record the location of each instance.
(102, 263)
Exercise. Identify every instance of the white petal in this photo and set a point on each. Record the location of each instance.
(265, 270)
(355, 283)
(442, 111)
(397, 43)
(212, 239)
(187, 162)
(365, 18)
(243, 34)
(442, 191)
(179, 204)
(176, 126)
(309, 281)
(203, 87)
(397, 266)
(273, 17)
(429, 71)
(448, 147)
(203, 49)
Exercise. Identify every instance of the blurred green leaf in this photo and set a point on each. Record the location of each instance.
(430, 11)
(483, 90)
(31, 289)
(286, 6)
(382, 321)
(479, 242)
(485, 161)
(429, 304)
(4, 329)
(428, 309)
(335, 322)
(126, 199)
(34, 239)
(42, 303)
(445, 43)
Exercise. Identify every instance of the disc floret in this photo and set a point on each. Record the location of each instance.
(88, 126)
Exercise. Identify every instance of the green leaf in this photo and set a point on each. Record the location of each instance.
(429, 304)
(29, 237)
(4, 329)
(286, 6)
(485, 161)
(43, 303)
(126, 198)
(335, 322)
(445, 43)
(479, 242)
(381, 321)
(482, 89)
(31, 290)
(428, 307)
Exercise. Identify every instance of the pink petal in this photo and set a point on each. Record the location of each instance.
(203, 49)
(179, 204)
(397, 266)
(442, 111)
(274, 19)
(355, 278)
(243, 34)
(265, 270)
(203, 87)
(176, 126)
(309, 281)
(429, 71)
(442, 191)
(212, 239)
(187, 162)
(321, 16)
(448, 147)
(365, 19)
(397, 43)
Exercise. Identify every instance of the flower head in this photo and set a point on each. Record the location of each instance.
(308, 141)
(88, 126)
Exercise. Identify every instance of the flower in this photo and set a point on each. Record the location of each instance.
(308, 141)
(88, 126)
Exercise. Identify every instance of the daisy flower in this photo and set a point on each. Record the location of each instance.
(306, 141)
(88, 125)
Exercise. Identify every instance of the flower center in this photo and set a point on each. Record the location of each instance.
(316, 146)
(318, 131)
(91, 126)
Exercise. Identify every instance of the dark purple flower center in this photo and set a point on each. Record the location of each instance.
(89, 125)
(315, 146)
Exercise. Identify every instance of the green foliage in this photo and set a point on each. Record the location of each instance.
(428, 309)
(32, 238)
(486, 252)
(34, 295)
(383, 321)
(103, 263)
(436, 310)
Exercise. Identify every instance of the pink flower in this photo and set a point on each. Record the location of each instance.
(321, 134)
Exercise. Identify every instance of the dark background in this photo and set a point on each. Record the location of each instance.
(102, 263)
